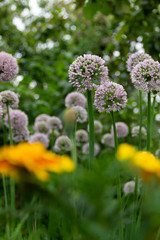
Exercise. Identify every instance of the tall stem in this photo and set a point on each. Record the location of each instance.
(140, 119)
(115, 132)
(74, 147)
(12, 184)
(91, 127)
(149, 122)
(153, 106)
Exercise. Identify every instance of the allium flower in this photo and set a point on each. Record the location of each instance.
(98, 127)
(75, 99)
(81, 136)
(42, 127)
(81, 114)
(39, 137)
(55, 123)
(9, 98)
(110, 97)
(135, 131)
(87, 71)
(146, 76)
(122, 129)
(136, 58)
(20, 135)
(108, 140)
(85, 149)
(8, 67)
(18, 119)
(42, 117)
(62, 144)
(129, 187)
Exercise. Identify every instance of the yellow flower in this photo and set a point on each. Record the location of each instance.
(125, 152)
(146, 161)
(33, 158)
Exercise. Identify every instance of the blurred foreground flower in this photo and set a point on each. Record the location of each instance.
(144, 160)
(32, 159)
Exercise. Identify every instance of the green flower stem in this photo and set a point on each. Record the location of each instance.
(140, 119)
(118, 176)
(5, 192)
(91, 127)
(12, 184)
(149, 121)
(153, 107)
(74, 147)
(115, 132)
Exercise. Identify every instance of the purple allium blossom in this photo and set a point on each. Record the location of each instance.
(121, 128)
(108, 140)
(98, 127)
(42, 127)
(42, 117)
(81, 136)
(18, 119)
(146, 76)
(20, 135)
(62, 144)
(8, 67)
(136, 58)
(87, 71)
(81, 114)
(110, 97)
(135, 131)
(39, 137)
(55, 123)
(75, 99)
(9, 98)
(85, 149)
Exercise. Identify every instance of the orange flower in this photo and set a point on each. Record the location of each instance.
(33, 158)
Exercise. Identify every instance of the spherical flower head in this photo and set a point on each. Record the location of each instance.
(135, 131)
(20, 135)
(85, 149)
(108, 140)
(9, 98)
(87, 71)
(55, 123)
(98, 127)
(81, 136)
(110, 97)
(121, 128)
(62, 144)
(42, 117)
(8, 67)
(75, 99)
(39, 137)
(18, 119)
(146, 76)
(81, 114)
(42, 127)
(129, 187)
(136, 58)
